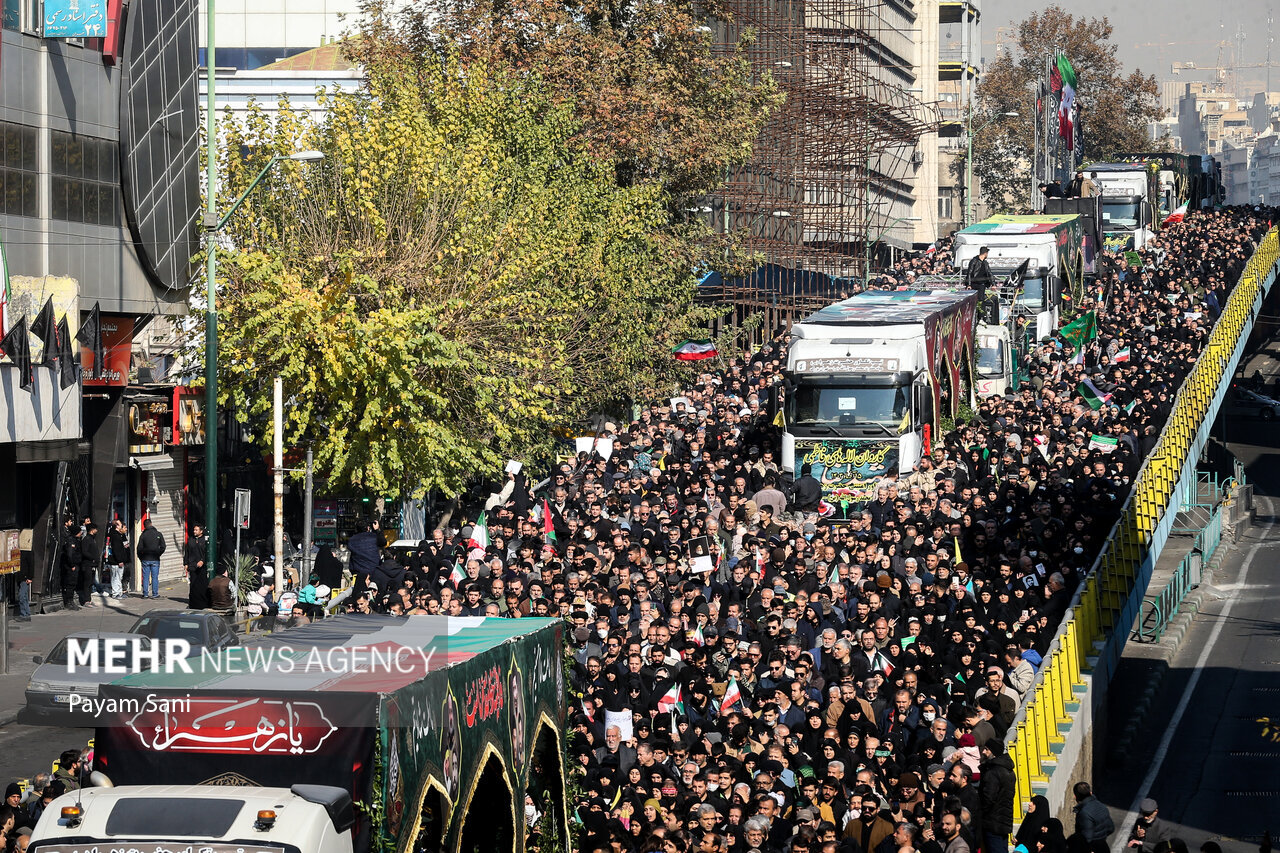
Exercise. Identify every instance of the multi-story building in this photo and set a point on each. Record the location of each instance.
(100, 219)
(958, 42)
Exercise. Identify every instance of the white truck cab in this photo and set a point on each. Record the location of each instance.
(197, 819)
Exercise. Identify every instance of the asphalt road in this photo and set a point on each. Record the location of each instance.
(27, 750)
(1209, 753)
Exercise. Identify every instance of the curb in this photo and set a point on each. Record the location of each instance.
(7, 718)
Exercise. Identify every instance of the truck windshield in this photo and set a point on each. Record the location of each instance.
(1120, 214)
(1032, 293)
(990, 356)
(835, 405)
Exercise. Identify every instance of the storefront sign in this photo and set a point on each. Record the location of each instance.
(117, 347)
(10, 555)
(150, 425)
(188, 415)
(74, 19)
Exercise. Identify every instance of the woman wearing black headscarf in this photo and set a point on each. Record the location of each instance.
(1036, 817)
(328, 568)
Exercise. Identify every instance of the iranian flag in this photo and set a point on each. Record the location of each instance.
(1121, 355)
(695, 351)
(1067, 103)
(1177, 216)
(457, 576)
(732, 696)
(480, 534)
(696, 636)
(1105, 443)
(548, 526)
(672, 701)
(1092, 394)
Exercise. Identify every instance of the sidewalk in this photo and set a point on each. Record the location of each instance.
(41, 634)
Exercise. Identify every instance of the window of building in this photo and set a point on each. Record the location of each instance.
(19, 173)
(32, 16)
(12, 16)
(85, 179)
(946, 204)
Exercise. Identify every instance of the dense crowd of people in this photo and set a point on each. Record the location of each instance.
(756, 677)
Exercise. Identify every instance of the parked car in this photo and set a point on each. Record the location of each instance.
(53, 684)
(1242, 402)
(205, 630)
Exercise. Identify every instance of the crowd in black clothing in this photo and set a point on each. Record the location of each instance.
(831, 686)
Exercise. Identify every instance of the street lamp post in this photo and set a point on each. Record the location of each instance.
(968, 161)
(212, 225)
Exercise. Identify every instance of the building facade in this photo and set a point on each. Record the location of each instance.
(100, 222)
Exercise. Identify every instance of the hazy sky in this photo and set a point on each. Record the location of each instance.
(1152, 34)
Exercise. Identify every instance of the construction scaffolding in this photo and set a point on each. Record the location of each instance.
(830, 174)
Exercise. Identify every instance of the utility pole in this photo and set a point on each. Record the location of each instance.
(307, 503)
(279, 483)
(211, 291)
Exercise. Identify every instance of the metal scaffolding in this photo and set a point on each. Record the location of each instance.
(830, 171)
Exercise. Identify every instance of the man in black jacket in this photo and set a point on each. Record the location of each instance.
(70, 564)
(806, 492)
(117, 556)
(979, 274)
(151, 546)
(90, 565)
(193, 564)
(996, 792)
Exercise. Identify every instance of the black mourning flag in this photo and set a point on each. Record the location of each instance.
(90, 335)
(42, 329)
(17, 346)
(68, 367)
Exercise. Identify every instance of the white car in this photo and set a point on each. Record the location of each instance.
(1242, 402)
(53, 683)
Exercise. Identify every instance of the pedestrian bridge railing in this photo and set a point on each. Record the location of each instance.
(1087, 647)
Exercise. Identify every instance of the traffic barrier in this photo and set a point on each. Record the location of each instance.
(1088, 644)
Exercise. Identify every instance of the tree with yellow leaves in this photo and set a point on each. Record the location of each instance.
(457, 280)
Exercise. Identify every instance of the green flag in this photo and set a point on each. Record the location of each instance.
(1079, 332)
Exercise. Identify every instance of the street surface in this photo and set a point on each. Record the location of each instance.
(1214, 773)
(26, 750)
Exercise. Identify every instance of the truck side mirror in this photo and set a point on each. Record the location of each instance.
(923, 404)
(774, 402)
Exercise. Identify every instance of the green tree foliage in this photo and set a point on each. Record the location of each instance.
(457, 281)
(1117, 106)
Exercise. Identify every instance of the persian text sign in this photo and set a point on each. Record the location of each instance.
(850, 470)
(70, 19)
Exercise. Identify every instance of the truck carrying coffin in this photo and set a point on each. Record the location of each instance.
(437, 726)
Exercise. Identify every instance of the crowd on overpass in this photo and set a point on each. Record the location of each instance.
(798, 685)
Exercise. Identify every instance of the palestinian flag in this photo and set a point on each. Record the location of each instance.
(732, 697)
(672, 700)
(1133, 404)
(1066, 106)
(695, 351)
(479, 534)
(457, 576)
(1177, 216)
(1105, 443)
(548, 526)
(1092, 395)
(1122, 355)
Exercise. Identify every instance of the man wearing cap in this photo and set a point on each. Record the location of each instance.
(1155, 829)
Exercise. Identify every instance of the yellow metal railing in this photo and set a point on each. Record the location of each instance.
(1101, 602)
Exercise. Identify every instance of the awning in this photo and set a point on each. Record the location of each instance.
(159, 462)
